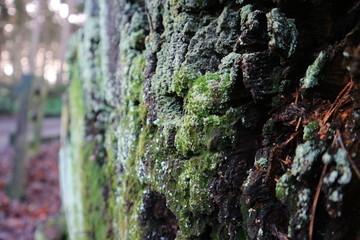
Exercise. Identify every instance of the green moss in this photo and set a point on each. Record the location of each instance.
(313, 72)
(96, 219)
(187, 139)
(90, 174)
(177, 153)
(310, 130)
(209, 92)
(72, 157)
(219, 132)
(183, 80)
(199, 132)
(191, 192)
(130, 144)
(196, 134)
(136, 78)
(129, 202)
(185, 182)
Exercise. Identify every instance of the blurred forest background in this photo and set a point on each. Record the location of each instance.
(33, 76)
(33, 40)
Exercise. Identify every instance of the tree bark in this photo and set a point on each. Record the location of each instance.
(214, 119)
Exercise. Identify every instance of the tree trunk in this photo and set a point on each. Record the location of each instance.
(214, 120)
(15, 187)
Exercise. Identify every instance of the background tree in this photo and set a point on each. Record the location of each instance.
(31, 58)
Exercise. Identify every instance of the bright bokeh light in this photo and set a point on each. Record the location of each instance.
(8, 69)
(31, 8)
(51, 70)
(12, 11)
(50, 76)
(64, 10)
(8, 28)
(77, 19)
(54, 5)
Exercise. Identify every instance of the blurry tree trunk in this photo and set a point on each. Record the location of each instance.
(20, 38)
(15, 186)
(3, 20)
(39, 88)
(28, 113)
(37, 102)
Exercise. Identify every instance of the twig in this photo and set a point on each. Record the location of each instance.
(287, 141)
(296, 96)
(298, 124)
(316, 199)
(279, 147)
(340, 99)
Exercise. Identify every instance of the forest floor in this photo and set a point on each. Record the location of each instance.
(41, 201)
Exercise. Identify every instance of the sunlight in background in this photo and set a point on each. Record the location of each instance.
(31, 8)
(77, 19)
(61, 8)
(50, 73)
(12, 11)
(54, 5)
(64, 10)
(6, 65)
(8, 69)
(9, 28)
(55, 19)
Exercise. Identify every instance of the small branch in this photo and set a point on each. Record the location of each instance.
(296, 96)
(298, 124)
(341, 99)
(287, 141)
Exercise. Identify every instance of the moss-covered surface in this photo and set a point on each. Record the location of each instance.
(183, 123)
(72, 157)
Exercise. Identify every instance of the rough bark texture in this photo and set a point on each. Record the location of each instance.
(214, 119)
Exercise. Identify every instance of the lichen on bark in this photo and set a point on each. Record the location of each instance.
(211, 120)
